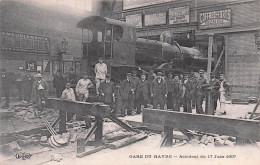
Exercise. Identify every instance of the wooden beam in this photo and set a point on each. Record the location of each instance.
(256, 106)
(78, 107)
(242, 128)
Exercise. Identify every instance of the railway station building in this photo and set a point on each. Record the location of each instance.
(39, 38)
(233, 24)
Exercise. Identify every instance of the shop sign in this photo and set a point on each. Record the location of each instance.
(179, 15)
(129, 4)
(215, 19)
(19, 42)
(155, 19)
(135, 19)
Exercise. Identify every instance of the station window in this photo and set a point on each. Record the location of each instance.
(99, 36)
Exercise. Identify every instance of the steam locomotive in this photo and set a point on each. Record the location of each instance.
(117, 43)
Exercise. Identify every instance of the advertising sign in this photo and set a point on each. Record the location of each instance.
(135, 19)
(155, 19)
(215, 19)
(179, 15)
(19, 42)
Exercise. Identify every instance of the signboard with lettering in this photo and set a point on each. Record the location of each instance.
(129, 4)
(215, 19)
(19, 42)
(179, 15)
(135, 19)
(155, 19)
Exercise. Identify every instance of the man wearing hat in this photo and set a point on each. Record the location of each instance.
(5, 85)
(142, 93)
(28, 81)
(169, 82)
(127, 91)
(200, 91)
(159, 91)
(193, 79)
(39, 90)
(101, 72)
(223, 90)
(188, 92)
(135, 81)
(107, 91)
(176, 92)
(214, 91)
(58, 83)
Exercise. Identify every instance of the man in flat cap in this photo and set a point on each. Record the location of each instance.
(28, 81)
(214, 91)
(39, 91)
(5, 85)
(127, 92)
(200, 91)
(58, 83)
(193, 79)
(142, 93)
(223, 90)
(135, 81)
(188, 89)
(169, 82)
(177, 92)
(159, 91)
(107, 91)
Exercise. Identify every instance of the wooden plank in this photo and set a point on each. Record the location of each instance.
(169, 136)
(242, 128)
(99, 130)
(78, 107)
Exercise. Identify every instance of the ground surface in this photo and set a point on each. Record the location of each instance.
(143, 152)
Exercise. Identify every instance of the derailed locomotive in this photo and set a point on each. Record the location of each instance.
(117, 43)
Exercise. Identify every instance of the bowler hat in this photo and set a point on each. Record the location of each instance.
(128, 74)
(176, 74)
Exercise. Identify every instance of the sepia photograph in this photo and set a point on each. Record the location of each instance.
(129, 82)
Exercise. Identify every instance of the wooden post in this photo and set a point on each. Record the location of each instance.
(62, 125)
(169, 136)
(98, 132)
(210, 47)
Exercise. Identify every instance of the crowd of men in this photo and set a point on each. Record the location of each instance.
(159, 91)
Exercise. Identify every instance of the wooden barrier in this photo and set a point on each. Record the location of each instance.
(96, 109)
(241, 128)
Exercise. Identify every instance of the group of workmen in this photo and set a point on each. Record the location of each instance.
(159, 91)
(172, 92)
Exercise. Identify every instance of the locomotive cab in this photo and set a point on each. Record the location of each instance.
(111, 39)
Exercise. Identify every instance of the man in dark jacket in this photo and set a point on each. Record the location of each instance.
(127, 91)
(107, 91)
(135, 81)
(27, 85)
(200, 92)
(177, 92)
(5, 85)
(59, 83)
(159, 91)
(214, 91)
(169, 95)
(188, 93)
(142, 93)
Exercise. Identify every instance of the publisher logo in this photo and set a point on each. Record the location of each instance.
(23, 155)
